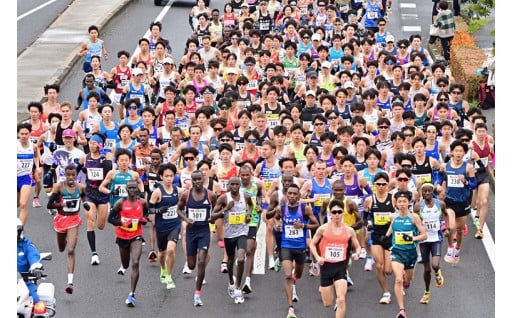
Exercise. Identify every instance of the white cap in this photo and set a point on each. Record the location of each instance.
(168, 60)
(244, 5)
(316, 36)
(311, 92)
(348, 84)
(231, 70)
(390, 38)
(137, 71)
(326, 64)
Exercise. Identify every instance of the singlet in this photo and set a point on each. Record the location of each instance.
(329, 161)
(272, 115)
(183, 123)
(373, 13)
(163, 82)
(47, 155)
(25, 159)
(136, 93)
(268, 174)
(292, 237)
(386, 105)
(455, 189)
(423, 171)
(36, 133)
(334, 247)
(344, 113)
(111, 134)
(360, 164)
(245, 156)
(324, 193)
(245, 101)
(252, 191)
(434, 152)
(373, 117)
(380, 214)
(299, 154)
(315, 140)
(121, 78)
(90, 121)
(85, 102)
(354, 192)
(431, 217)
(403, 225)
(130, 212)
(137, 124)
(234, 218)
(264, 22)
(200, 212)
(239, 140)
(482, 153)
(168, 220)
(71, 199)
(224, 175)
(93, 49)
(63, 158)
(129, 147)
(96, 171)
(419, 121)
(119, 184)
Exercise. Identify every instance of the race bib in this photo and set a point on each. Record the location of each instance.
(197, 214)
(110, 143)
(122, 190)
(171, 213)
(133, 228)
(432, 225)
(236, 218)
(95, 173)
(399, 239)
(381, 218)
(291, 232)
(321, 198)
(454, 181)
(334, 253)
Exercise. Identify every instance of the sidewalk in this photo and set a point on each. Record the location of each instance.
(49, 59)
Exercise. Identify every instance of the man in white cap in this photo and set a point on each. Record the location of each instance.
(135, 89)
(390, 46)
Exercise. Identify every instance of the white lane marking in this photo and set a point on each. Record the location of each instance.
(488, 242)
(261, 250)
(159, 17)
(408, 5)
(35, 9)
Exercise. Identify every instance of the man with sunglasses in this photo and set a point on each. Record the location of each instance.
(334, 240)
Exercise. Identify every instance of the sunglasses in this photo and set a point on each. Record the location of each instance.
(402, 179)
(249, 64)
(381, 184)
(383, 127)
(432, 131)
(319, 124)
(252, 140)
(132, 107)
(338, 157)
(442, 85)
(456, 92)
(243, 83)
(408, 135)
(224, 108)
(442, 100)
(341, 96)
(305, 37)
(403, 47)
(225, 140)
(332, 118)
(337, 211)
(407, 166)
(465, 140)
(382, 24)
(189, 158)
(218, 129)
(389, 63)
(337, 24)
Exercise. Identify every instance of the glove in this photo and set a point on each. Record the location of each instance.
(153, 211)
(156, 185)
(70, 204)
(384, 239)
(48, 180)
(52, 147)
(369, 227)
(115, 192)
(87, 130)
(163, 209)
(142, 195)
(37, 273)
(407, 237)
(87, 207)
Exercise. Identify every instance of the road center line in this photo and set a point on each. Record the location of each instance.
(35, 9)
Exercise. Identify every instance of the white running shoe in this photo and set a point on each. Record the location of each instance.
(121, 270)
(363, 253)
(95, 260)
(231, 291)
(239, 297)
(186, 270)
(368, 266)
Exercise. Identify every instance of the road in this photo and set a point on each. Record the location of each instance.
(99, 291)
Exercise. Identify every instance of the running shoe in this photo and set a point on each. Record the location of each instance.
(223, 267)
(363, 253)
(52, 212)
(170, 283)
(204, 281)
(350, 282)
(314, 269)
(426, 298)
(95, 260)
(291, 313)
(239, 297)
(197, 300)
(271, 264)
(121, 270)
(163, 276)
(476, 222)
(386, 299)
(438, 279)
(401, 314)
(220, 244)
(456, 256)
(130, 301)
(295, 297)
(231, 291)
(419, 259)
(368, 266)
(247, 289)
(277, 265)
(479, 234)
(152, 256)
(69, 289)
(448, 258)
(186, 269)
(36, 203)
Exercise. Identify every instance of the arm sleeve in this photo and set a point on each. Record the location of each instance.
(113, 217)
